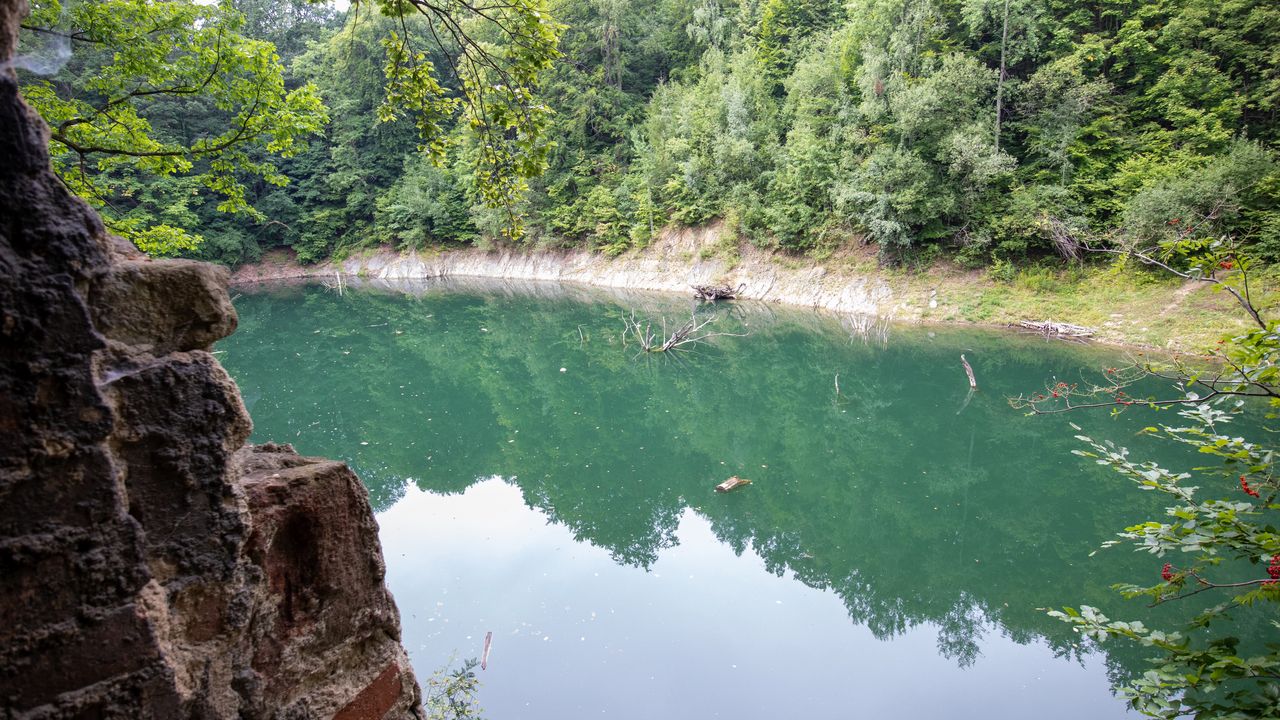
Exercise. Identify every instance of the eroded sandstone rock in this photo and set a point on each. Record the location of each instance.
(150, 567)
(314, 537)
(167, 305)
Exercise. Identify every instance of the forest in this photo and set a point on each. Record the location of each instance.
(987, 131)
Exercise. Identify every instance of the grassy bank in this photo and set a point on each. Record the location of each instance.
(1126, 302)
(1127, 305)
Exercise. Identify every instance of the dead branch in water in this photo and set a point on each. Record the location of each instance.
(867, 328)
(337, 284)
(652, 339)
(711, 293)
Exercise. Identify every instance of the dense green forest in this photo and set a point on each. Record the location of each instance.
(983, 129)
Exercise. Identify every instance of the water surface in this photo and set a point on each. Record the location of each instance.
(535, 477)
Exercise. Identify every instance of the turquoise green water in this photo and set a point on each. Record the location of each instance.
(536, 478)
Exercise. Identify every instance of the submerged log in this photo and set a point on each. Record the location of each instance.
(712, 293)
(968, 370)
(731, 484)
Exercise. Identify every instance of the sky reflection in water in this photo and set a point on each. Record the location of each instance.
(703, 633)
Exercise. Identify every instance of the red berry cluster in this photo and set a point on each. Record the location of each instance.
(1166, 572)
(1273, 570)
(1244, 485)
(1060, 390)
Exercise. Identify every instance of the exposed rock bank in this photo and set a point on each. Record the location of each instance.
(150, 565)
(674, 263)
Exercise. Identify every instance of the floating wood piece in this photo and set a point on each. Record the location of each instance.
(968, 370)
(488, 643)
(717, 292)
(731, 484)
(1049, 328)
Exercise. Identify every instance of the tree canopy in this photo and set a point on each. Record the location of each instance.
(987, 130)
(162, 110)
(115, 125)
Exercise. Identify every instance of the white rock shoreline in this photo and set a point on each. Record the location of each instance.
(673, 264)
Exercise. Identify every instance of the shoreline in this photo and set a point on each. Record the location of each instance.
(1167, 316)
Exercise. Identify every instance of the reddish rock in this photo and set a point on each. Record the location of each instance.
(314, 537)
(376, 700)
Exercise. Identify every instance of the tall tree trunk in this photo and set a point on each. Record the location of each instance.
(1004, 41)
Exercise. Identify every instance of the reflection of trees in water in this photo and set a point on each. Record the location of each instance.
(385, 487)
(959, 633)
(907, 512)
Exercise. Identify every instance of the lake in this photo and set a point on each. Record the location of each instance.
(536, 477)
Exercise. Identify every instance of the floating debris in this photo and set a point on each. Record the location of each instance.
(732, 484)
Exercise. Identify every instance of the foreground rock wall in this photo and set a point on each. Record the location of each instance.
(150, 565)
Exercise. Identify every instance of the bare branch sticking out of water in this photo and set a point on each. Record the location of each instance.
(337, 284)
(659, 339)
(867, 328)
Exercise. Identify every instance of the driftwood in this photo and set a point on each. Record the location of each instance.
(1049, 328)
(711, 293)
(732, 483)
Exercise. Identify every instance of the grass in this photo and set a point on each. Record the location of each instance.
(1126, 305)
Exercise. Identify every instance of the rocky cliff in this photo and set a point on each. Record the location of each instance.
(151, 565)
